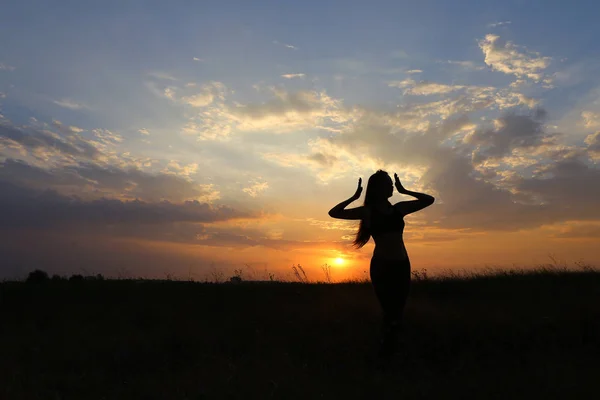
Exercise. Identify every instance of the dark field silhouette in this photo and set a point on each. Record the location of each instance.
(509, 335)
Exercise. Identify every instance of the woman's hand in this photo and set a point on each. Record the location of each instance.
(398, 184)
(359, 189)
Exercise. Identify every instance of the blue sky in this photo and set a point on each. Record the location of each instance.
(271, 110)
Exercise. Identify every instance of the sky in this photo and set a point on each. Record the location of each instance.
(192, 139)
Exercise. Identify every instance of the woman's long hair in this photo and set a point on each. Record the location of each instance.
(376, 189)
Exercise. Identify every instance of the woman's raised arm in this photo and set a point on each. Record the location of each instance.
(339, 211)
(408, 207)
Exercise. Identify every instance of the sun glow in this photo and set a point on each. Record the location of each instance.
(339, 261)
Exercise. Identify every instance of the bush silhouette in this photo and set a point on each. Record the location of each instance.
(37, 276)
(76, 278)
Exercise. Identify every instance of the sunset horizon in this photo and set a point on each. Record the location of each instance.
(199, 140)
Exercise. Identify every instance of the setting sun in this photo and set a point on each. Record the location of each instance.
(339, 261)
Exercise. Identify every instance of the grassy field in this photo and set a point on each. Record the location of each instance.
(503, 336)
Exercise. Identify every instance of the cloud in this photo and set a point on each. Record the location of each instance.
(593, 141)
(291, 76)
(44, 143)
(197, 59)
(511, 59)
(514, 99)
(425, 88)
(580, 231)
(133, 183)
(499, 197)
(92, 181)
(467, 65)
(331, 224)
(287, 46)
(414, 71)
(569, 186)
(448, 174)
(496, 24)
(201, 97)
(70, 104)
(67, 130)
(590, 119)
(256, 188)
(510, 132)
(30, 210)
(290, 111)
(326, 160)
(402, 84)
(303, 102)
(211, 123)
(106, 137)
(162, 76)
(473, 202)
(456, 99)
(144, 131)
(173, 167)
(6, 67)
(380, 140)
(26, 208)
(169, 93)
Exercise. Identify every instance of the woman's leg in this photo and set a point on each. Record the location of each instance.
(391, 281)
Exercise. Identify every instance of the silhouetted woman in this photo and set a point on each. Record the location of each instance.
(390, 266)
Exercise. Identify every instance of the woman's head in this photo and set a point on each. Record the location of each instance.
(380, 187)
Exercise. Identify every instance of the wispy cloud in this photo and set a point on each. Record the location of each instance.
(496, 24)
(288, 46)
(191, 94)
(66, 129)
(6, 67)
(467, 65)
(425, 88)
(162, 75)
(70, 104)
(291, 76)
(414, 71)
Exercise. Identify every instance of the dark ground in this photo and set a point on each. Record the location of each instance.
(512, 336)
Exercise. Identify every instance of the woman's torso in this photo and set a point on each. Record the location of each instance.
(387, 227)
